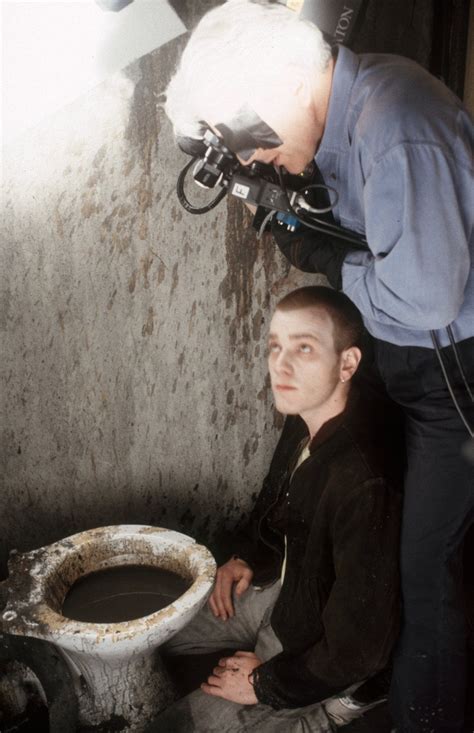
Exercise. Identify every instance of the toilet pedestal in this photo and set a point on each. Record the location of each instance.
(127, 695)
(118, 675)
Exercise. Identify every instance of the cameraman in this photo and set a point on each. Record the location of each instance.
(396, 144)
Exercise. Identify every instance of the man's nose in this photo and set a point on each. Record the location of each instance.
(283, 363)
(246, 161)
(259, 155)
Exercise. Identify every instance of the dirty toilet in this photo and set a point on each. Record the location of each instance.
(116, 671)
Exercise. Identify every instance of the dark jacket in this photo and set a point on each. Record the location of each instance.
(337, 615)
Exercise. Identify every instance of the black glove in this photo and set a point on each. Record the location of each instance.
(313, 251)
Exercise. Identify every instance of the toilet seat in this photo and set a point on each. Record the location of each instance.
(53, 570)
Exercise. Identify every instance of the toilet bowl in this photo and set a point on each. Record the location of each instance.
(117, 673)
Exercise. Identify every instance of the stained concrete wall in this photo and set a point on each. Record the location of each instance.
(133, 374)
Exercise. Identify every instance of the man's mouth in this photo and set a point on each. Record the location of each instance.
(284, 387)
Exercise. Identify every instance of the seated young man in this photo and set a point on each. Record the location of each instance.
(311, 597)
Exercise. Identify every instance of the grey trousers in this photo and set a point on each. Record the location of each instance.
(248, 630)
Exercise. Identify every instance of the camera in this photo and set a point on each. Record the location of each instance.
(293, 200)
(258, 184)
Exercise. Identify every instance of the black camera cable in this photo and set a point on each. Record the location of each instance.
(183, 200)
(437, 349)
(323, 227)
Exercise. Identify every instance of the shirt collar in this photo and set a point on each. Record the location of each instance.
(336, 134)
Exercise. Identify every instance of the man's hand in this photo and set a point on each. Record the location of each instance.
(312, 251)
(230, 679)
(237, 572)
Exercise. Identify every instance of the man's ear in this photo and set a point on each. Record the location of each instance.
(350, 360)
(300, 84)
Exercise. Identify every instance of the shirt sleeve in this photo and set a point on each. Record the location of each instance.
(362, 614)
(418, 208)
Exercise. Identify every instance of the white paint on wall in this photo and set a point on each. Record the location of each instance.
(54, 51)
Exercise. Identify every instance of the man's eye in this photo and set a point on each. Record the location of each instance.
(273, 348)
(305, 348)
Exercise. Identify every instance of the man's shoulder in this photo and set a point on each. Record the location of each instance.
(390, 79)
(396, 102)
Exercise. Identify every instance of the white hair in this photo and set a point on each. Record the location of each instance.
(235, 47)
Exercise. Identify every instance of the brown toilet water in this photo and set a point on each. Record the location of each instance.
(122, 593)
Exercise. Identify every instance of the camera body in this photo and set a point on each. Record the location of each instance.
(256, 184)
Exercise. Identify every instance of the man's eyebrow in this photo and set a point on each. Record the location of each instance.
(295, 336)
(305, 336)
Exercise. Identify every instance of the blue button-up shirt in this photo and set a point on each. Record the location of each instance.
(397, 147)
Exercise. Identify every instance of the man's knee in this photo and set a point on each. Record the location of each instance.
(175, 719)
(198, 713)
